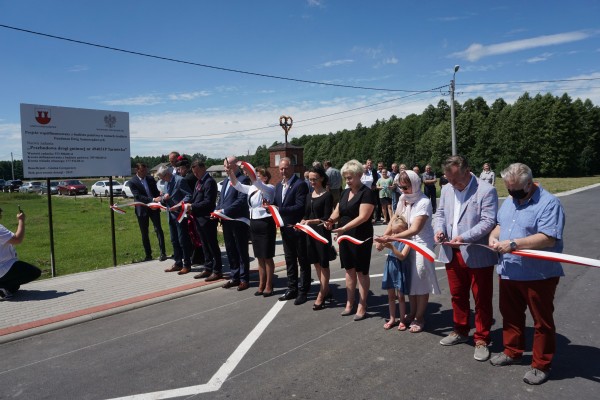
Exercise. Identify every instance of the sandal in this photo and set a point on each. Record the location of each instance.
(401, 326)
(389, 325)
(416, 327)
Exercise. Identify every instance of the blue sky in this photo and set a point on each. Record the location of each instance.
(390, 45)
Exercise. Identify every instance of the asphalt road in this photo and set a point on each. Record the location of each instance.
(208, 346)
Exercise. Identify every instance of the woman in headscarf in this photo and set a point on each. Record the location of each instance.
(416, 209)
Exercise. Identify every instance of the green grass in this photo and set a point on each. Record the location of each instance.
(553, 185)
(82, 234)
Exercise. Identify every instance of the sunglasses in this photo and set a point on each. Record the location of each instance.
(403, 187)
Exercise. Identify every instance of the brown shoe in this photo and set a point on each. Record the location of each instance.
(230, 284)
(202, 275)
(243, 286)
(215, 276)
(174, 268)
(184, 270)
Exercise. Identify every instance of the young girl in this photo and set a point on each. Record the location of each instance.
(396, 275)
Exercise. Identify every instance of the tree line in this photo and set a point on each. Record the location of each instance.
(555, 136)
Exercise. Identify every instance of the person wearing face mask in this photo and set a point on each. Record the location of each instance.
(531, 218)
(467, 214)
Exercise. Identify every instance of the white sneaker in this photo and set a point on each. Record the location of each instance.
(454, 338)
(482, 352)
(536, 376)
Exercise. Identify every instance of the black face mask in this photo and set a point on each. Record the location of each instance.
(518, 194)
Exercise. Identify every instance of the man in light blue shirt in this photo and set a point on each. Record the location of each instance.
(531, 218)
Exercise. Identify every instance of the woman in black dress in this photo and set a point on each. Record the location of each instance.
(353, 214)
(318, 209)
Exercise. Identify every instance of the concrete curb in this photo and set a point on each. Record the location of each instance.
(151, 298)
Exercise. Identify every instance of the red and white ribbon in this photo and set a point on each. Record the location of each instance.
(418, 247)
(154, 206)
(276, 216)
(547, 255)
(351, 239)
(249, 168)
(116, 209)
(560, 257)
(312, 233)
(220, 215)
(182, 213)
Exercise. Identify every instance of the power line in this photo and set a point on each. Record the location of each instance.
(304, 120)
(523, 82)
(206, 65)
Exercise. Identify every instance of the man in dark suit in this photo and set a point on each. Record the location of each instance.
(177, 191)
(143, 187)
(185, 171)
(234, 204)
(202, 204)
(290, 199)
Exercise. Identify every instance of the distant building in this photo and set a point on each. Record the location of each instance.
(217, 171)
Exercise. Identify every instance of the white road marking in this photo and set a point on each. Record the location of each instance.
(226, 369)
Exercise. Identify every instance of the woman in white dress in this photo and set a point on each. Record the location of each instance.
(416, 209)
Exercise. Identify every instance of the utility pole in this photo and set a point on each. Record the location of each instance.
(452, 88)
(12, 165)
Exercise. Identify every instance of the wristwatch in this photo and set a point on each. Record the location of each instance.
(513, 245)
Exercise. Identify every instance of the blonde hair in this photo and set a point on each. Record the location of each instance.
(399, 220)
(354, 167)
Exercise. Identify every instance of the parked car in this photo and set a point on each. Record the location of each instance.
(2, 182)
(53, 188)
(71, 187)
(161, 185)
(12, 186)
(102, 188)
(31, 187)
(127, 190)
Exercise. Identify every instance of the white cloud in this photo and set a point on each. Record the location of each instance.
(148, 100)
(453, 18)
(540, 58)
(477, 51)
(371, 52)
(238, 131)
(390, 60)
(188, 96)
(334, 63)
(78, 68)
(315, 3)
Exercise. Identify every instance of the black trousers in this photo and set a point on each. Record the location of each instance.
(180, 239)
(430, 192)
(236, 234)
(210, 246)
(294, 247)
(19, 274)
(144, 223)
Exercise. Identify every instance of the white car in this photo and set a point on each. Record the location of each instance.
(127, 190)
(161, 185)
(102, 188)
(31, 187)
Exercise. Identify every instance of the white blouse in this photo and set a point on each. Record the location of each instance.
(256, 193)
